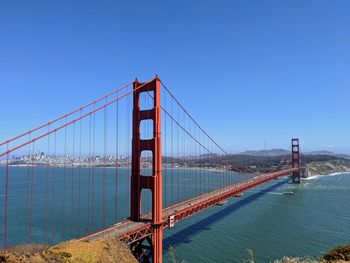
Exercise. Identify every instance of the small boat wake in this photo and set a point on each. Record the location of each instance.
(222, 203)
(269, 193)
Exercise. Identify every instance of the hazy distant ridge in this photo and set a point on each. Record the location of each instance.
(272, 152)
(279, 152)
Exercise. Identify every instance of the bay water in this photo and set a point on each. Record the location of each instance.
(308, 223)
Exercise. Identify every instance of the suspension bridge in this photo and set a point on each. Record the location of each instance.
(127, 166)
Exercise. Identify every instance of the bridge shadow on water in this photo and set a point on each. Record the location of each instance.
(184, 235)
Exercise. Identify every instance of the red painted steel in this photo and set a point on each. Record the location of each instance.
(296, 161)
(153, 182)
(139, 233)
(189, 211)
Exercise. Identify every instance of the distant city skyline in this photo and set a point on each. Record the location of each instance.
(254, 74)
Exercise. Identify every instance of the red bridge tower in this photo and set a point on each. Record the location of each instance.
(146, 248)
(296, 160)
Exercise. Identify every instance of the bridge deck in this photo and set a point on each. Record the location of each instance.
(129, 231)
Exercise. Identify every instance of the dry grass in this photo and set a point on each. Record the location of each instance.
(102, 250)
(296, 260)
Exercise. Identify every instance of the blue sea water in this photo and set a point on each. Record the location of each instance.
(264, 220)
(53, 204)
(269, 223)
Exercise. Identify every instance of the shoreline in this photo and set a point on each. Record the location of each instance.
(323, 175)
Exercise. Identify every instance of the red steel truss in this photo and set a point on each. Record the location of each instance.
(135, 237)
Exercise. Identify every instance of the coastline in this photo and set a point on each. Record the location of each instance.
(330, 167)
(323, 175)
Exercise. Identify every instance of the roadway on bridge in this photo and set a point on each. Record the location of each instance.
(124, 228)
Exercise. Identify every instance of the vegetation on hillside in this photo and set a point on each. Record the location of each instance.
(261, 164)
(328, 167)
(341, 253)
(102, 250)
(336, 255)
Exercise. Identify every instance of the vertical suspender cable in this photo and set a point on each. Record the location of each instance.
(116, 158)
(64, 179)
(172, 156)
(54, 189)
(104, 167)
(31, 193)
(93, 168)
(79, 175)
(72, 185)
(6, 198)
(165, 150)
(28, 189)
(89, 178)
(178, 157)
(127, 137)
(47, 185)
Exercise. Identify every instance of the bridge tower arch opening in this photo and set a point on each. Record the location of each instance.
(296, 161)
(148, 248)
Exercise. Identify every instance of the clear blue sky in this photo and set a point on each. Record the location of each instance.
(249, 71)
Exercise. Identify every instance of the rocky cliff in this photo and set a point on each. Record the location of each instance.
(328, 167)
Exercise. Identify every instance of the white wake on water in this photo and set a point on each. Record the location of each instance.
(262, 191)
(320, 176)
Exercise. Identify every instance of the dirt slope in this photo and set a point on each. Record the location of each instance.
(103, 250)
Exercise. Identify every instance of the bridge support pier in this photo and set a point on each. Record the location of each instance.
(296, 161)
(142, 250)
(154, 249)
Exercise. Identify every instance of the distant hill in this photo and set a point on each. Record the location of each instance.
(320, 153)
(345, 156)
(279, 152)
(261, 164)
(272, 152)
(329, 153)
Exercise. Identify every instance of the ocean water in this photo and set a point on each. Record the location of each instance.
(272, 225)
(264, 220)
(53, 204)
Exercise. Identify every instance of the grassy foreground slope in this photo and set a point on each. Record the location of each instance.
(103, 250)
